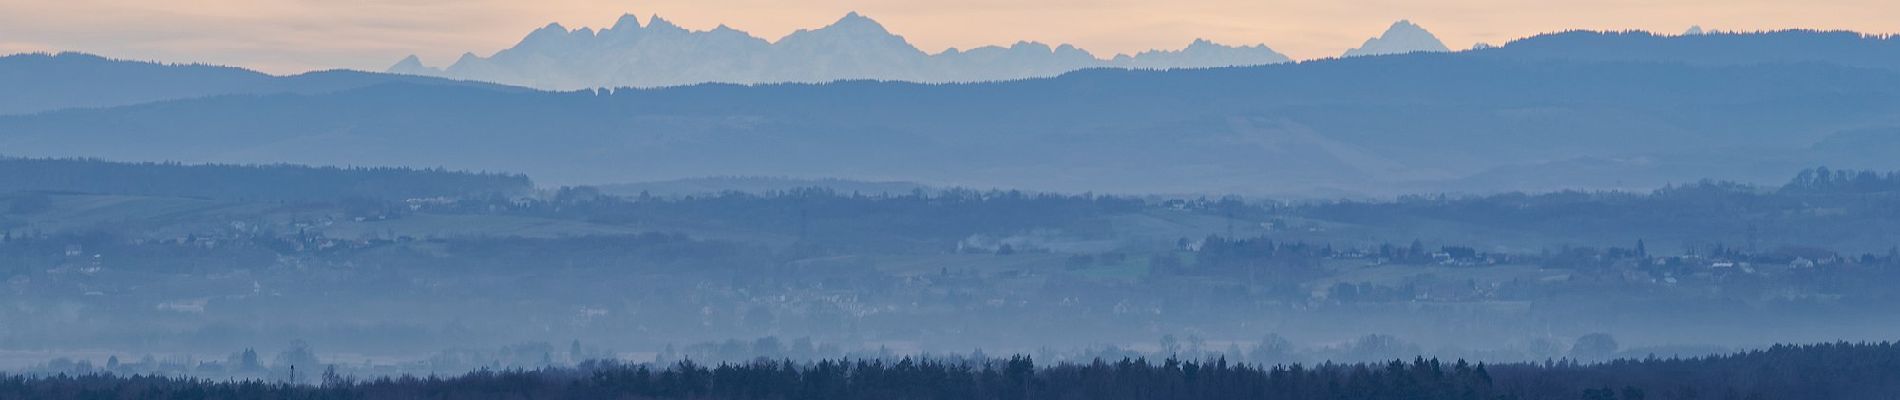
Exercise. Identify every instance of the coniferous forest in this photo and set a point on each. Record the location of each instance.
(1831, 371)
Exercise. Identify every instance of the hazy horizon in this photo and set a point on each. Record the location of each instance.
(289, 36)
(1288, 200)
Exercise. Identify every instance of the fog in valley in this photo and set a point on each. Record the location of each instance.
(243, 271)
(1575, 197)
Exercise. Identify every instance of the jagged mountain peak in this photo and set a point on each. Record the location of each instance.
(661, 24)
(1203, 43)
(854, 33)
(1032, 45)
(551, 32)
(855, 18)
(412, 65)
(468, 58)
(1402, 37)
(626, 21)
(854, 23)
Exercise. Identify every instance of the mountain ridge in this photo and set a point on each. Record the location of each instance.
(855, 46)
(1400, 38)
(42, 82)
(1616, 110)
(1350, 126)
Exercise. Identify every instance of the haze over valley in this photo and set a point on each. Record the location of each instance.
(648, 211)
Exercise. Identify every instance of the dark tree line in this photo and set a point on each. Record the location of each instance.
(1848, 209)
(1832, 371)
(1839, 181)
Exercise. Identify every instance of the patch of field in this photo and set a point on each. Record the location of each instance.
(80, 212)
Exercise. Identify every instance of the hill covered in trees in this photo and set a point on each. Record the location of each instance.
(1844, 209)
(39, 82)
(1843, 48)
(1595, 110)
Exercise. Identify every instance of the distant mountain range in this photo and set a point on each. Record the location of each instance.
(1563, 110)
(855, 47)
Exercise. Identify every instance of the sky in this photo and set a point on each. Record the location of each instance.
(288, 36)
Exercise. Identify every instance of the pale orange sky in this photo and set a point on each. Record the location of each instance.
(285, 36)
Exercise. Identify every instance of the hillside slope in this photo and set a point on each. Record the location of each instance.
(39, 82)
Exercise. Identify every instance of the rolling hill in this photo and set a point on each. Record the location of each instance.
(1524, 116)
(38, 82)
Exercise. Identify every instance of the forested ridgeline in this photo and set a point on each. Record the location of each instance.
(247, 182)
(1823, 371)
